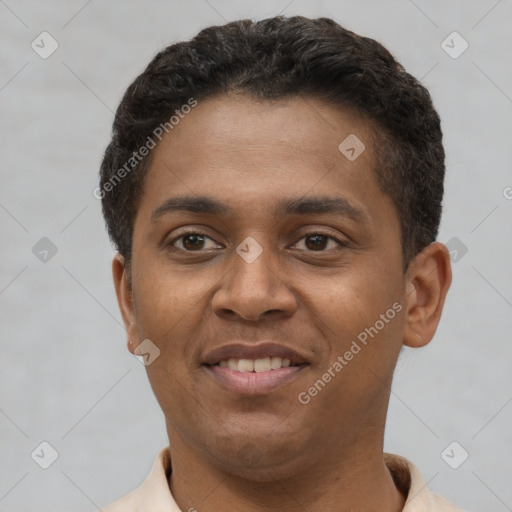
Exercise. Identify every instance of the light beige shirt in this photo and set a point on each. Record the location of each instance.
(154, 495)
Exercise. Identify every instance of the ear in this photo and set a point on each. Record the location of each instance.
(428, 279)
(125, 300)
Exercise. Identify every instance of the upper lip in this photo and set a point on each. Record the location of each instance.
(262, 350)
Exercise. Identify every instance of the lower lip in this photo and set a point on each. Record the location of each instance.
(254, 383)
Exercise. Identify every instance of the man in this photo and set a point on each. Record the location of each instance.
(274, 192)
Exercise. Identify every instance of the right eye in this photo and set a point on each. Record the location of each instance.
(191, 241)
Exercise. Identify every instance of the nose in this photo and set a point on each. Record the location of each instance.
(254, 290)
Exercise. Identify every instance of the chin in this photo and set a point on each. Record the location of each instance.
(262, 458)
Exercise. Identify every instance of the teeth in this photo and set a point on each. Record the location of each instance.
(262, 365)
(255, 365)
(245, 365)
(275, 363)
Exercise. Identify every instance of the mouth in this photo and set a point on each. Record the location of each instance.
(254, 370)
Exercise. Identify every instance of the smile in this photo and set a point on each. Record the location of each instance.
(254, 369)
(251, 379)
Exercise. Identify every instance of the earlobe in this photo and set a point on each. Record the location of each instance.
(428, 279)
(125, 300)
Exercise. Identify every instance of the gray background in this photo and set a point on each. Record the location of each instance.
(66, 376)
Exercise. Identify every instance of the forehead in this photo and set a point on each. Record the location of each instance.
(250, 154)
(236, 123)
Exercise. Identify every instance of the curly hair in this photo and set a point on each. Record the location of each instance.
(277, 58)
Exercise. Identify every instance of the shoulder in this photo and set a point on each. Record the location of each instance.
(127, 503)
(438, 503)
(154, 490)
(410, 482)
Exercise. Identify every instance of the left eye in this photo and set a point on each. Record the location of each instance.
(317, 242)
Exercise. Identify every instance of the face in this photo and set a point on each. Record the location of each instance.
(274, 292)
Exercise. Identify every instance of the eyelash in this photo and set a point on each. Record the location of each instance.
(201, 233)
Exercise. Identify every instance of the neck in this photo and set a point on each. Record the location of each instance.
(338, 480)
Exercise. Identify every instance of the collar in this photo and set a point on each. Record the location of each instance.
(154, 495)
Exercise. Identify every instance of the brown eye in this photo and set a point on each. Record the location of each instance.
(191, 241)
(319, 242)
(316, 242)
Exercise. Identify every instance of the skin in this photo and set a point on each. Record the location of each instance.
(271, 452)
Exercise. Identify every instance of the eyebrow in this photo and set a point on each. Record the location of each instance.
(294, 206)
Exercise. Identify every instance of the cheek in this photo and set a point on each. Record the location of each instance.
(364, 339)
(362, 312)
(172, 309)
(164, 306)
(356, 298)
(164, 295)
